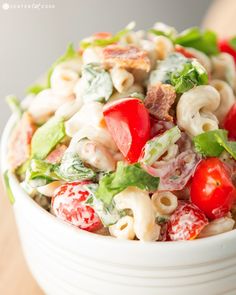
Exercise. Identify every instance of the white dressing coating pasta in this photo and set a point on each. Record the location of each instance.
(223, 68)
(121, 79)
(202, 58)
(90, 113)
(92, 55)
(45, 105)
(217, 226)
(49, 189)
(123, 229)
(68, 109)
(227, 98)
(163, 46)
(150, 48)
(134, 88)
(63, 81)
(164, 202)
(140, 204)
(195, 110)
(96, 155)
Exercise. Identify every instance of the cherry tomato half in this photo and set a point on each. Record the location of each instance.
(225, 46)
(230, 122)
(185, 223)
(69, 204)
(129, 124)
(212, 189)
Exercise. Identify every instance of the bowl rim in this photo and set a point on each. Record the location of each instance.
(89, 235)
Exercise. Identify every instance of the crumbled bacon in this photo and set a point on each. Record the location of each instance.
(19, 147)
(129, 57)
(159, 100)
(56, 155)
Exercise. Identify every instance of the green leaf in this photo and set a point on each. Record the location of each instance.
(72, 168)
(40, 173)
(20, 171)
(161, 29)
(212, 143)
(35, 89)
(8, 187)
(203, 41)
(88, 42)
(47, 137)
(181, 72)
(14, 104)
(123, 177)
(229, 146)
(157, 146)
(206, 143)
(96, 83)
(232, 43)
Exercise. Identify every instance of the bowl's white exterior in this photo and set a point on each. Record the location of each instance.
(68, 261)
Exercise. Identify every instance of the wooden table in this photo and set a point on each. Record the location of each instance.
(15, 278)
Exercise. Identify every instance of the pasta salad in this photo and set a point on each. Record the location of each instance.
(133, 135)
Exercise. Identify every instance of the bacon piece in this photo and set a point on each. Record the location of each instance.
(130, 57)
(19, 146)
(56, 155)
(159, 100)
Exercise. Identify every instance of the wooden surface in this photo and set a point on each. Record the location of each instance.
(15, 278)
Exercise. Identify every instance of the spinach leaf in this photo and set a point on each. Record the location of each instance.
(180, 72)
(95, 83)
(123, 177)
(212, 143)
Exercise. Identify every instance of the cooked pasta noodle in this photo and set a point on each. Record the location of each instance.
(122, 79)
(123, 229)
(164, 203)
(217, 226)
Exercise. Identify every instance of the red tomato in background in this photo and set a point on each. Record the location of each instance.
(68, 203)
(185, 223)
(184, 51)
(230, 123)
(225, 46)
(212, 189)
(129, 124)
(102, 35)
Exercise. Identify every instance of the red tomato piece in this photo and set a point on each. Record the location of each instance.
(102, 35)
(225, 46)
(230, 123)
(69, 204)
(186, 223)
(129, 124)
(212, 189)
(184, 51)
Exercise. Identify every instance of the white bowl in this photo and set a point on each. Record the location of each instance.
(68, 261)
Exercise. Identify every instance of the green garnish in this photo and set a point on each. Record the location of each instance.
(123, 177)
(157, 146)
(204, 41)
(180, 72)
(108, 41)
(14, 104)
(8, 187)
(213, 143)
(96, 83)
(47, 137)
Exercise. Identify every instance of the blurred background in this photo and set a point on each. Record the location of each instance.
(32, 38)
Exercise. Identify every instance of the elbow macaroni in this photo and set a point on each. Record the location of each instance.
(123, 229)
(217, 226)
(227, 98)
(223, 68)
(48, 189)
(140, 204)
(63, 81)
(164, 203)
(163, 46)
(195, 110)
(122, 79)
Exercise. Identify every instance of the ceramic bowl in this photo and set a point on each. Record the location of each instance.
(67, 261)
